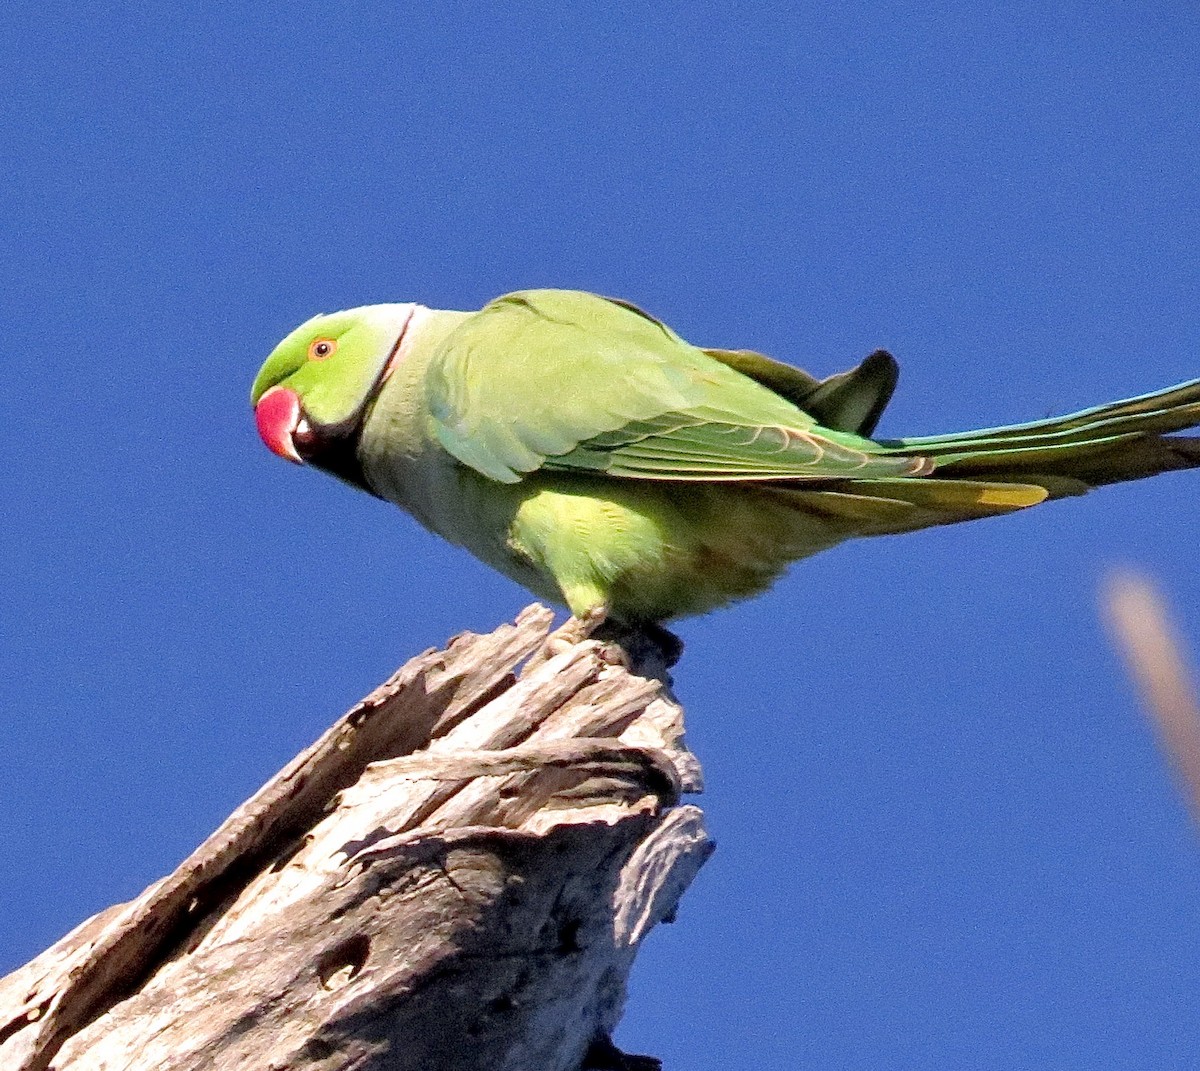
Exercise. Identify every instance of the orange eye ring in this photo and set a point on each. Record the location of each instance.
(321, 349)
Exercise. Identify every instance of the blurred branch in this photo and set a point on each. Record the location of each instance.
(1143, 630)
(458, 874)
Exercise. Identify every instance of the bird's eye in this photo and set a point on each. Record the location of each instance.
(321, 348)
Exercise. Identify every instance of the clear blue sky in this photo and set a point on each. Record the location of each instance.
(945, 837)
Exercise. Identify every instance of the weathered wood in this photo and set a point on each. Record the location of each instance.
(456, 875)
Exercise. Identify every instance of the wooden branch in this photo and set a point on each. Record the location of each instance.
(456, 875)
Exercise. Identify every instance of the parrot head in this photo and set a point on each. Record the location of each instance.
(314, 390)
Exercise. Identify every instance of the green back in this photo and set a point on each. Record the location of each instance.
(571, 381)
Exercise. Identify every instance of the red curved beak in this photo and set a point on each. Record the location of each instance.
(277, 416)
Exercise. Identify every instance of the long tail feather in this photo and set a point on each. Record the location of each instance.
(1063, 474)
(1172, 409)
(1125, 440)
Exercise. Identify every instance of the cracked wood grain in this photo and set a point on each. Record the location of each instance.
(456, 875)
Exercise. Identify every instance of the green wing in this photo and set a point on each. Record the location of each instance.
(564, 380)
(850, 401)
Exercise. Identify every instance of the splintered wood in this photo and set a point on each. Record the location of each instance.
(456, 875)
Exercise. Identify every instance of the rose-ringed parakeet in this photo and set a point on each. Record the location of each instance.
(588, 452)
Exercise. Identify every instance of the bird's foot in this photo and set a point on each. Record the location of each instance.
(574, 631)
(645, 648)
(650, 650)
(577, 629)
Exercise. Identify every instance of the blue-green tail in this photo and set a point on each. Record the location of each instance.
(1124, 440)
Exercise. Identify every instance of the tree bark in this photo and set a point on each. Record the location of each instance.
(456, 875)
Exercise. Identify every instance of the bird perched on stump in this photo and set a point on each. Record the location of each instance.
(582, 448)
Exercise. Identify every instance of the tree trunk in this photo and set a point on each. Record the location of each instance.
(456, 875)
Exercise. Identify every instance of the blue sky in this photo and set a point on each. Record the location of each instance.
(945, 836)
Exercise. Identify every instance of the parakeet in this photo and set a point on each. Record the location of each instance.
(585, 450)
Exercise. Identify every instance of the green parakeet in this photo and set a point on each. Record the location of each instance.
(588, 452)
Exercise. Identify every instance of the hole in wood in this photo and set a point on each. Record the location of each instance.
(568, 937)
(342, 963)
(503, 1003)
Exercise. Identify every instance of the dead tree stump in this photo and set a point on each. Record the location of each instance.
(457, 875)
